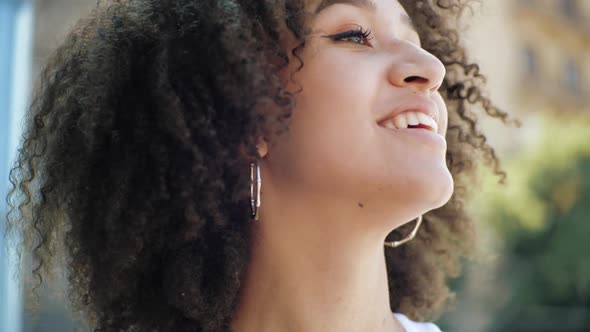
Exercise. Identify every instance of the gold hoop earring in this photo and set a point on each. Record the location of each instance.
(408, 238)
(255, 177)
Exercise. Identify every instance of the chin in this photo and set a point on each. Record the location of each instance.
(441, 190)
(429, 191)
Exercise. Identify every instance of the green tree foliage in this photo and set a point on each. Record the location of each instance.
(543, 221)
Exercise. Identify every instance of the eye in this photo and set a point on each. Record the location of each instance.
(358, 36)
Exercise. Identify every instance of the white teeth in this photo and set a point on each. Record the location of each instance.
(425, 119)
(401, 121)
(412, 118)
(422, 118)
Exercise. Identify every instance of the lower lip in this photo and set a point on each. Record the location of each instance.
(424, 135)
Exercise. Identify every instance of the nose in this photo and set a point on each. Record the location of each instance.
(417, 69)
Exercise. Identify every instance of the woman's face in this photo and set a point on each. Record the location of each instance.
(336, 145)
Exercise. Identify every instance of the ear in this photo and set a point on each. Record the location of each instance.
(262, 146)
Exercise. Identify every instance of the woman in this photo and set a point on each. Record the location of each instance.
(244, 165)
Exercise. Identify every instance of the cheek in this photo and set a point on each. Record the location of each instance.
(337, 96)
(338, 77)
(331, 122)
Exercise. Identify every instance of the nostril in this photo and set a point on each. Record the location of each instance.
(417, 79)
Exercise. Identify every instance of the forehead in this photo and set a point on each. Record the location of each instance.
(372, 6)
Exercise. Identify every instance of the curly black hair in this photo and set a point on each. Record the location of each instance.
(133, 174)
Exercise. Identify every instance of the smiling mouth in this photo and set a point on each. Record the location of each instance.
(410, 120)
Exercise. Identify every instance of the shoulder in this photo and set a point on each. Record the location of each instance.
(412, 326)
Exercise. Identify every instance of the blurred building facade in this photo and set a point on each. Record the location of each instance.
(554, 55)
(53, 20)
(536, 56)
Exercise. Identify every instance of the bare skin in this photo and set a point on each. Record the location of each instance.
(337, 184)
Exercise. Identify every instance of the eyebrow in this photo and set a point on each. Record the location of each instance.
(364, 4)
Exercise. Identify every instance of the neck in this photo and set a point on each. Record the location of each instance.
(314, 270)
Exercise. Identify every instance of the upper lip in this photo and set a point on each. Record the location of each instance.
(423, 105)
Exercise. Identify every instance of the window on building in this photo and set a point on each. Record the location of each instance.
(531, 62)
(526, 2)
(571, 77)
(569, 8)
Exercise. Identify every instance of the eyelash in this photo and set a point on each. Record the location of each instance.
(358, 32)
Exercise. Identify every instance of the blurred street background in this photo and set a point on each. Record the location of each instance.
(532, 272)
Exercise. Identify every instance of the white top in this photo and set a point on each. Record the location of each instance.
(412, 326)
